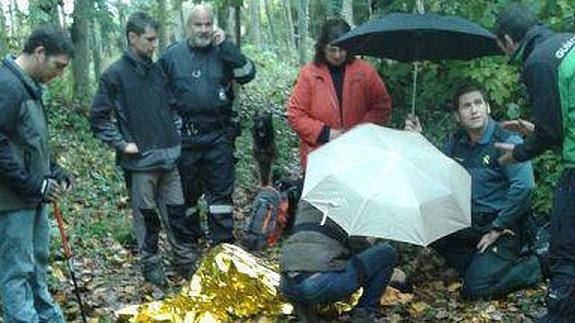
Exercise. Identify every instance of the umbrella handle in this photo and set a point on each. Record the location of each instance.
(414, 86)
(60, 221)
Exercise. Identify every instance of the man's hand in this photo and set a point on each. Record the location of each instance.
(51, 190)
(412, 123)
(334, 133)
(131, 149)
(489, 238)
(219, 36)
(521, 126)
(507, 150)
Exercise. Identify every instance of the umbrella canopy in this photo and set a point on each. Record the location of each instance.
(413, 37)
(392, 184)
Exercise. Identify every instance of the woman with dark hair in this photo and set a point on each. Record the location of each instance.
(334, 93)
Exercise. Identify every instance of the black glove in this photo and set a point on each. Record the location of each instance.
(51, 191)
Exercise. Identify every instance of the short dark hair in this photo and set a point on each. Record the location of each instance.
(465, 87)
(55, 40)
(515, 21)
(138, 22)
(330, 31)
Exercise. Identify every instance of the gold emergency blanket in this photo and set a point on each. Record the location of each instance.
(229, 283)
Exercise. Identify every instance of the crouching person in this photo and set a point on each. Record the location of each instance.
(321, 265)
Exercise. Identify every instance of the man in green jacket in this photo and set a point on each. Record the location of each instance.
(548, 61)
(29, 179)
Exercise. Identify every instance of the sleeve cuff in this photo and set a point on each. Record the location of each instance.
(323, 135)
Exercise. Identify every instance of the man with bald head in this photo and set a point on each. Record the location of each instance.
(201, 71)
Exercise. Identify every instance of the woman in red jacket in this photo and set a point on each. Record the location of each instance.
(334, 93)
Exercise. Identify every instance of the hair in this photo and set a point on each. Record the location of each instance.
(465, 87)
(199, 8)
(55, 40)
(330, 31)
(515, 21)
(138, 22)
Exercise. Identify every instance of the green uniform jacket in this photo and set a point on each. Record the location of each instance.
(549, 74)
(24, 147)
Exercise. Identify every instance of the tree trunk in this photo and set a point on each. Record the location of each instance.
(419, 8)
(347, 11)
(272, 38)
(3, 43)
(163, 20)
(96, 45)
(238, 25)
(302, 32)
(255, 23)
(81, 62)
(289, 25)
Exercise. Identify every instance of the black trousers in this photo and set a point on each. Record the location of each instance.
(209, 170)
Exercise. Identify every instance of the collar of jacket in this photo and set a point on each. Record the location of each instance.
(322, 70)
(534, 36)
(32, 86)
(485, 137)
(142, 65)
(200, 50)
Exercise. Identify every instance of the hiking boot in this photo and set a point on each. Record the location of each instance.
(186, 270)
(154, 273)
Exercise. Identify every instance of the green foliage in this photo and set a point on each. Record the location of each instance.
(267, 92)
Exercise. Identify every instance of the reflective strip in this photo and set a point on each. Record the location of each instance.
(244, 70)
(220, 209)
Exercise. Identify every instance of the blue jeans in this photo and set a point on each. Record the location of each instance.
(331, 286)
(24, 254)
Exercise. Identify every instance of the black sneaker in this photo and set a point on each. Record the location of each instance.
(154, 273)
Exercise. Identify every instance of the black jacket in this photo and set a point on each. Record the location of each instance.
(135, 91)
(200, 80)
(24, 148)
(541, 54)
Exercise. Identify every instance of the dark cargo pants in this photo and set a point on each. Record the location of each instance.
(497, 271)
(156, 198)
(561, 294)
(210, 170)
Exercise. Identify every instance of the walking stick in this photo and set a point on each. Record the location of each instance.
(69, 255)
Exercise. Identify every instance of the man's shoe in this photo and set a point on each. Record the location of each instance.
(186, 270)
(154, 273)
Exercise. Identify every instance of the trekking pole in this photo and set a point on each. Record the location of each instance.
(69, 255)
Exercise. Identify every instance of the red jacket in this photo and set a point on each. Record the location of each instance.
(314, 102)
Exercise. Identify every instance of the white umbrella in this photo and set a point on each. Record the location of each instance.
(392, 184)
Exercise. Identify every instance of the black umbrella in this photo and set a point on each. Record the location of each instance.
(413, 37)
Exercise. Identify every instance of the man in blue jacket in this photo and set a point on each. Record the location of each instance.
(488, 253)
(29, 178)
(201, 71)
(548, 61)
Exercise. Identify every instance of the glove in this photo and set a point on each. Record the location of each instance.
(51, 191)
